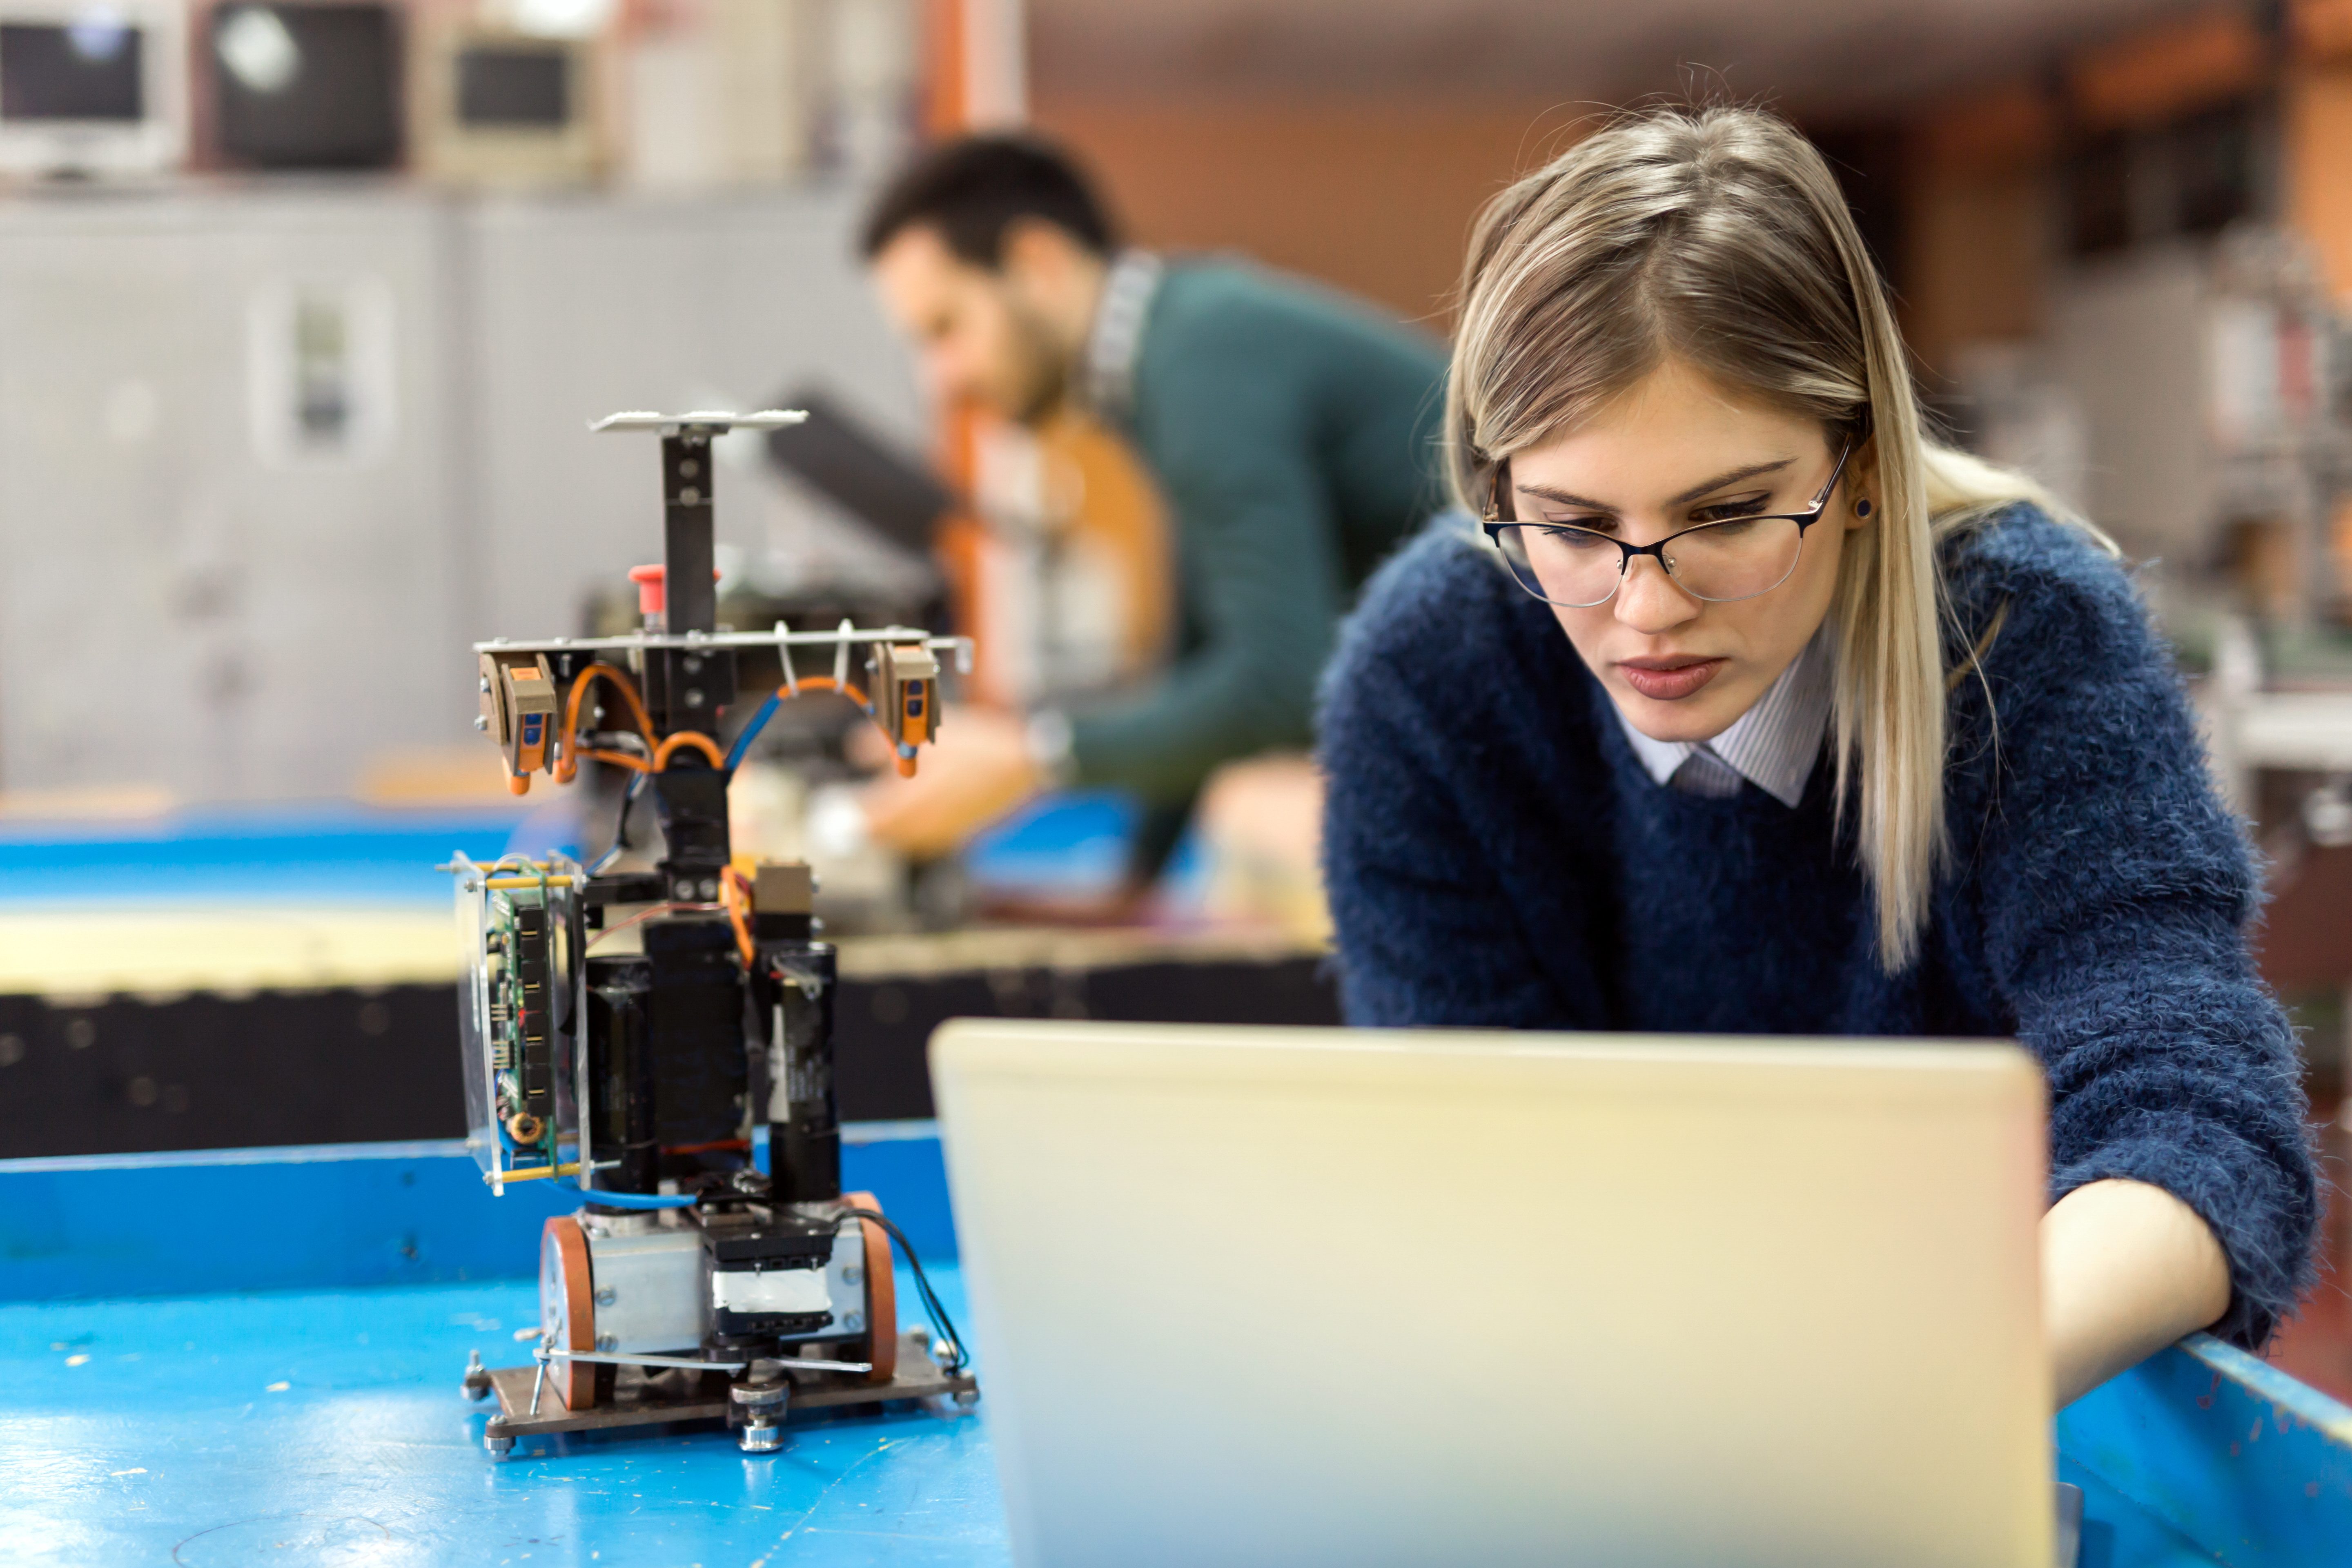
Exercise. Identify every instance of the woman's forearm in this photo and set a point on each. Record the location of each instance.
(2127, 1268)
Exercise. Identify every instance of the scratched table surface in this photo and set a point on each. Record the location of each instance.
(307, 1410)
(326, 1428)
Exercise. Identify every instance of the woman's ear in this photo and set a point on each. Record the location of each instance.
(1862, 498)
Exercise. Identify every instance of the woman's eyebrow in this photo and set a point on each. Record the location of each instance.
(1751, 472)
(1568, 498)
(1562, 497)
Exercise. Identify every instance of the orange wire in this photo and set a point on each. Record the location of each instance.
(735, 892)
(824, 683)
(671, 743)
(567, 767)
(849, 689)
(646, 914)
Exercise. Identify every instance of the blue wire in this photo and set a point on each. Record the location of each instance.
(751, 731)
(630, 1200)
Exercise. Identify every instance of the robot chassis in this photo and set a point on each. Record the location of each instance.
(642, 1036)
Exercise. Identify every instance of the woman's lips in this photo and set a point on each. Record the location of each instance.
(1661, 680)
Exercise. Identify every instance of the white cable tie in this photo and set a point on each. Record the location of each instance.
(845, 632)
(784, 652)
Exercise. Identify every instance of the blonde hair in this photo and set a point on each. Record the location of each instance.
(1718, 236)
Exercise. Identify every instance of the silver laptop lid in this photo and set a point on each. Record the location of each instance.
(1262, 1296)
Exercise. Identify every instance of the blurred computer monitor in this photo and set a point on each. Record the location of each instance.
(307, 86)
(498, 108)
(92, 90)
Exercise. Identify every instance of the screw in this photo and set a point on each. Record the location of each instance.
(853, 1322)
(689, 497)
(709, 889)
(607, 1342)
(605, 1297)
(694, 697)
(481, 721)
(851, 1273)
(486, 683)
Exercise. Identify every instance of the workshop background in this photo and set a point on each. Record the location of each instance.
(294, 384)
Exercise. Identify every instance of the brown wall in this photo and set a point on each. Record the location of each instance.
(1976, 244)
(2319, 163)
(1375, 196)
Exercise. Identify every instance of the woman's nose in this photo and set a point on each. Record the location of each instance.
(1649, 600)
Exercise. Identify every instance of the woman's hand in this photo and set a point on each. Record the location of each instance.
(2127, 1268)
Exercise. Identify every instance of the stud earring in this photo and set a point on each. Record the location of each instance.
(1862, 507)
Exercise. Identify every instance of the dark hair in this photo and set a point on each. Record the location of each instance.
(973, 189)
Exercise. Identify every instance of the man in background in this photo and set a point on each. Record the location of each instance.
(1291, 432)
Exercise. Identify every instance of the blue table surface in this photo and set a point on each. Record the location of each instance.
(305, 1427)
(325, 1426)
(307, 1409)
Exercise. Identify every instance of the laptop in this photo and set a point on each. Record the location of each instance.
(1293, 1297)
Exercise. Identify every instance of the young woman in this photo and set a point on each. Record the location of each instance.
(1847, 733)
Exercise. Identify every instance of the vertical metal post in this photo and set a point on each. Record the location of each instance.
(804, 1116)
(687, 514)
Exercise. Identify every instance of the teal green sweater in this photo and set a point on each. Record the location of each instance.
(1293, 435)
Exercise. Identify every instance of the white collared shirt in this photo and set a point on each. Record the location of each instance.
(1773, 745)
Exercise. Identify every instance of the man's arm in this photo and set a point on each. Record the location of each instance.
(1259, 565)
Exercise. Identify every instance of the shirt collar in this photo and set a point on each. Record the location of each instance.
(1107, 369)
(1775, 744)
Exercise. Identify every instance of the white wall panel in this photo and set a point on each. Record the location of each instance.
(173, 608)
(584, 309)
(182, 604)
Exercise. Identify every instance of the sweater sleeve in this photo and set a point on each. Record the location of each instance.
(1427, 934)
(1258, 559)
(2115, 892)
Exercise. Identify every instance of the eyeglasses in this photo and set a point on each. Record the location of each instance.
(1578, 568)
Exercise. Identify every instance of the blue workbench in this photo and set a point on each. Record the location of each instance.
(304, 1408)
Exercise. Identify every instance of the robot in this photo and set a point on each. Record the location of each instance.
(661, 1041)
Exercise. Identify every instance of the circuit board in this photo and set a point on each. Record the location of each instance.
(516, 920)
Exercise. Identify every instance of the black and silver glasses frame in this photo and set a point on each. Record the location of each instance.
(1508, 534)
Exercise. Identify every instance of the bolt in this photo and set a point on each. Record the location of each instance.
(851, 1273)
(853, 1322)
(690, 467)
(689, 497)
(692, 664)
(482, 721)
(607, 1342)
(606, 1296)
(486, 683)
(709, 889)
(694, 697)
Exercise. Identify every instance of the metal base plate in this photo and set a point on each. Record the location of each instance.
(640, 1401)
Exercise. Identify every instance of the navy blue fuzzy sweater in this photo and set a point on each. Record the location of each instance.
(1496, 855)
